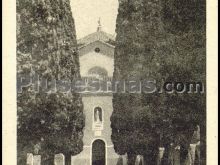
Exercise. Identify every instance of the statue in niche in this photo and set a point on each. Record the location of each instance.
(98, 115)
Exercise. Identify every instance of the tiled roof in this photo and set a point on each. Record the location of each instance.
(97, 36)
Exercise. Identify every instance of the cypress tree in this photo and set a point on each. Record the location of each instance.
(164, 41)
(48, 123)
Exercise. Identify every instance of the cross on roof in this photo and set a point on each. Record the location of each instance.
(99, 25)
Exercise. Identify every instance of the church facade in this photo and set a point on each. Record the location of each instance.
(96, 57)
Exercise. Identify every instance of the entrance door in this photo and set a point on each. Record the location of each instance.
(98, 152)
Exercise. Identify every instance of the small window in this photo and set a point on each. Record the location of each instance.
(97, 50)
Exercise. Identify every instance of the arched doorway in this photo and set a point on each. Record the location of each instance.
(98, 152)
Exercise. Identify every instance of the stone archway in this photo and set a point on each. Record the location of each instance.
(98, 152)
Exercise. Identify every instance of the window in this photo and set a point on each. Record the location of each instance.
(97, 50)
(98, 72)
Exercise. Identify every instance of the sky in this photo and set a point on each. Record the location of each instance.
(86, 14)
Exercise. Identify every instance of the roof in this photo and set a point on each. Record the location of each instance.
(96, 36)
(105, 48)
(100, 41)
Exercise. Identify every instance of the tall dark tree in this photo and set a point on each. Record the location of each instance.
(164, 41)
(185, 23)
(48, 122)
(139, 33)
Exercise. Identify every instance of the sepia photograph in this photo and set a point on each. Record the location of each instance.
(111, 82)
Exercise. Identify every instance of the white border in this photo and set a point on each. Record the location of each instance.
(9, 82)
(212, 81)
(9, 100)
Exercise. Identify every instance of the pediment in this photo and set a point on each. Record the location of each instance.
(98, 47)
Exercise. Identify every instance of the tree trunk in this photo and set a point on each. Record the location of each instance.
(183, 154)
(47, 160)
(151, 156)
(165, 160)
(67, 159)
(131, 158)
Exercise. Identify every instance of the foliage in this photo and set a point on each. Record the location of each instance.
(164, 41)
(48, 123)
